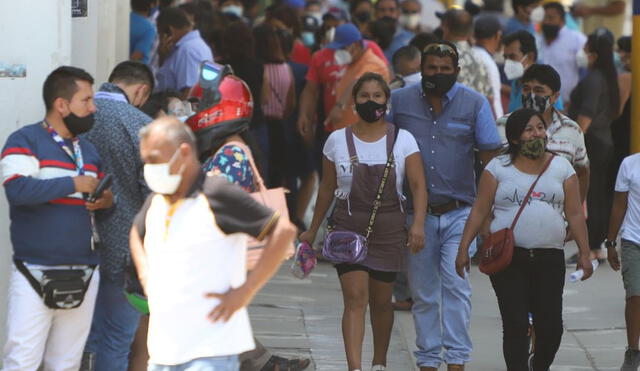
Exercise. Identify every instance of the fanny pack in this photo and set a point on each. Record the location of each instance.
(59, 288)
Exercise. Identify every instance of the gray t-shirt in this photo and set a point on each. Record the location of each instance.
(541, 224)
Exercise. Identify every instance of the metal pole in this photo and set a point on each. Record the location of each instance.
(635, 79)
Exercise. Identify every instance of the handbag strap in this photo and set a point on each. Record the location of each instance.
(392, 135)
(526, 198)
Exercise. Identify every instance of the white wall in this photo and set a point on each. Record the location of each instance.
(42, 35)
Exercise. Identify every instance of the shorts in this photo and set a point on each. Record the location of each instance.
(382, 276)
(630, 259)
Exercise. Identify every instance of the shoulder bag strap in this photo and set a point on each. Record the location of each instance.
(25, 272)
(526, 198)
(377, 202)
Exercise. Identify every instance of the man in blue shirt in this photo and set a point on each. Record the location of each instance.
(390, 9)
(47, 172)
(142, 32)
(449, 121)
(115, 135)
(182, 50)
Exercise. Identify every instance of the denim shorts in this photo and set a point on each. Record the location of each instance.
(225, 363)
(630, 259)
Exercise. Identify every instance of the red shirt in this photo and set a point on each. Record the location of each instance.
(300, 53)
(323, 70)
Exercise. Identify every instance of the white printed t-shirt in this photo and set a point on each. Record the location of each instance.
(628, 180)
(369, 153)
(541, 224)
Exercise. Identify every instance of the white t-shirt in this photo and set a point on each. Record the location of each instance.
(541, 224)
(370, 153)
(494, 79)
(628, 180)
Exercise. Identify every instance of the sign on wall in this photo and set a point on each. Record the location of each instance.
(12, 71)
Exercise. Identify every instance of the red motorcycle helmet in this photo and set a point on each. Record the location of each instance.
(223, 106)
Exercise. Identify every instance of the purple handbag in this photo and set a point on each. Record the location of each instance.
(350, 247)
(344, 247)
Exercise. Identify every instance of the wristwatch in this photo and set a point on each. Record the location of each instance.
(609, 244)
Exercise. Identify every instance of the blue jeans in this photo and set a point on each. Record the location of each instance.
(228, 363)
(114, 325)
(441, 299)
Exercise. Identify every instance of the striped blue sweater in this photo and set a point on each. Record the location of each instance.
(49, 222)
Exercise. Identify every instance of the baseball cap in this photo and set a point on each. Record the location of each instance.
(486, 26)
(346, 34)
(296, 4)
(336, 13)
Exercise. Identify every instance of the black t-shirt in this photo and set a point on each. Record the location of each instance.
(591, 99)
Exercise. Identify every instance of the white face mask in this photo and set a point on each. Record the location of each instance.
(582, 59)
(410, 21)
(413, 78)
(232, 9)
(342, 57)
(329, 35)
(160, 180)
(537, 15)
(513, 69)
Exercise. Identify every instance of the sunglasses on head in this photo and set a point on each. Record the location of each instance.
(440, 49)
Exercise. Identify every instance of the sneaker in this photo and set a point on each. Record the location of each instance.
(378, 368)
(631, 360)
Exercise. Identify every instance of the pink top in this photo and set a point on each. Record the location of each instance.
(279, 77)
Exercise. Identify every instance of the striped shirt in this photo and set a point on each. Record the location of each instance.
(280, 80)
(50, 224)
(565, 138)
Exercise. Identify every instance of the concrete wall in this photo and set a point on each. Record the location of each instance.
(42, 35)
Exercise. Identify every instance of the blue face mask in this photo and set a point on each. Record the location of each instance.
(232, 9)
(308, 38)
(617, 62)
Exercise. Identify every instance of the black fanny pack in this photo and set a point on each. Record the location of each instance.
(59, 288)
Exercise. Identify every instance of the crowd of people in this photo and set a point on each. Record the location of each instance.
(423, 130)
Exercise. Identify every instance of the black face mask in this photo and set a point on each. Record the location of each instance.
(371, 111)
(362, 17)
(438, 84)
(550, 31)
(78, 125)
(535, 102)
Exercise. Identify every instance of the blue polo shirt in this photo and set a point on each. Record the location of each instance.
(142, 33)
(182, 68)
(447, 141)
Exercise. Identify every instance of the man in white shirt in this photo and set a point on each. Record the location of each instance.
(626, 213)
(559, 47)
(189, 246)
(488, 33)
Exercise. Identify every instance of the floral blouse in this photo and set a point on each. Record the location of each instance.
(232, 163)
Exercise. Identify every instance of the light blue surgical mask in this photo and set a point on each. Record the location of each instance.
(308, 38)
(232, 9)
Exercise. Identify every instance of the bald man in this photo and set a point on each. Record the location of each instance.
(189, 246)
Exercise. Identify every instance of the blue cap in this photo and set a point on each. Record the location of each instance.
(346, 34)
(295, 3)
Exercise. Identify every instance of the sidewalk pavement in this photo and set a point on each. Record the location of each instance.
(302, 318)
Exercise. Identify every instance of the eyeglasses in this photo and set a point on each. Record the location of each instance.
(440, 49)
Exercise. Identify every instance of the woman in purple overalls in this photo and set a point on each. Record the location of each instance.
(353, 165)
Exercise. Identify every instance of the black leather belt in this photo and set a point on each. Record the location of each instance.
(444, 208)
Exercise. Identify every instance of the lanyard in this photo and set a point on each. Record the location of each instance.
(76, 154)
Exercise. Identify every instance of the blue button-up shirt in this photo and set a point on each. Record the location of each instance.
(447, 140)
(182, 68)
